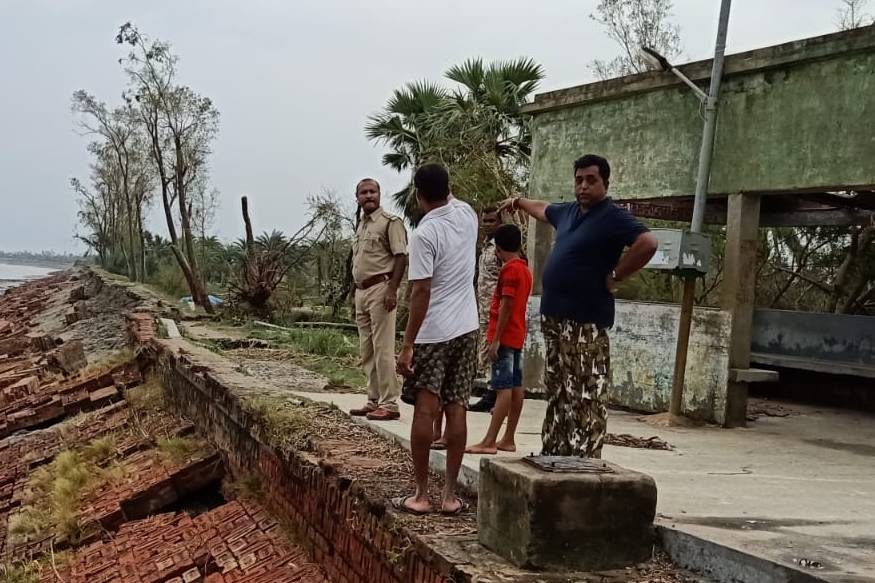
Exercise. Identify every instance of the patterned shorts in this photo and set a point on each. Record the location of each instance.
(445, 369)
(577, 370)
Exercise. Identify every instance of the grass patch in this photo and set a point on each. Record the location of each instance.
(330, 352)
(318, 341)
(104, 365)
(148, 396)
(344, 372)
(247, 486)
(53, 506)
(169, 279)
(22, 572)
(179, 450)
(286, 421)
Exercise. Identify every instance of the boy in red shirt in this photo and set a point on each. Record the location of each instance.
(506, 334)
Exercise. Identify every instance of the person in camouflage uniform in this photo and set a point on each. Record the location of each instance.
(580, 277)
(576, 368)
(488, 267)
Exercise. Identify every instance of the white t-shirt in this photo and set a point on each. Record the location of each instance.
(443, 248)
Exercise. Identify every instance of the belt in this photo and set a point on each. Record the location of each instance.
(373, 280)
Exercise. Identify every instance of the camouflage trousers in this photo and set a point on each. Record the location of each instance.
(576, 374)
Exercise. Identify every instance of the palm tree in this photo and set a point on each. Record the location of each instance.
(497, 93)
(400, 126)
(478, 130)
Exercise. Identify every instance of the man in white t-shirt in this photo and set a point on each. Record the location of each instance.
(439, 355)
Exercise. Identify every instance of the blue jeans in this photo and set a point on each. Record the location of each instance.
(507, 369)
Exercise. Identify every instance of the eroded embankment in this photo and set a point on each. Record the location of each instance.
(113, 472)
(329, 478)
(99, 479)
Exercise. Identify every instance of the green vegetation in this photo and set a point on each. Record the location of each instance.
(476, 129)
(106, 364)
(168, 277)
(179, 450)
(339, 372)
(317, 341)
(286, 421)
(331, 352)
(21, 572)
(247, 486)
(148, 396)
(53, 506)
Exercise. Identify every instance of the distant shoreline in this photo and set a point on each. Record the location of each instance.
(14, 274)
(48, 263)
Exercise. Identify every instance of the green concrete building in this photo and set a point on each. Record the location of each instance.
(795, 145)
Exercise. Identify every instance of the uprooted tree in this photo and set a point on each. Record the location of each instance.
(260, 263)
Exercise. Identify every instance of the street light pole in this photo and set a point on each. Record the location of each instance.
(702, 179)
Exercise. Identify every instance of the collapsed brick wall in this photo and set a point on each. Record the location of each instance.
(349, 534)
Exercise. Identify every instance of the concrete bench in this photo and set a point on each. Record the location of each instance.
(752, 375)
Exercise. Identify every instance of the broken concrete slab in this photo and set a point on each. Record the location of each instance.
(83, 311)
(70, 316)
(103, 395)
(43, 342)
(596, 519)
(69, 357)
(170, 328)
(752, 375)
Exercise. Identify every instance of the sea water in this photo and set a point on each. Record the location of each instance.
(13, 275)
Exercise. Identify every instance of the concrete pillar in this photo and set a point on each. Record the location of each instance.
(539, 240)
(739, 285)
(538, 244)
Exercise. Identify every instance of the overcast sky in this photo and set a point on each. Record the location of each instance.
(294, 82)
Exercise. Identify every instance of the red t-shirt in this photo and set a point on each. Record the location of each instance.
(514, 281)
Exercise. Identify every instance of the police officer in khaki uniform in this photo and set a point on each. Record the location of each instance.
(379, 261)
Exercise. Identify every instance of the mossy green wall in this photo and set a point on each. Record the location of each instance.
(782, 126)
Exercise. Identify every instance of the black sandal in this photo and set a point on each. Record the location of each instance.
(463, 507)
(400, 504)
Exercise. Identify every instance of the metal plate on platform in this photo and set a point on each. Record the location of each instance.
(568, 464)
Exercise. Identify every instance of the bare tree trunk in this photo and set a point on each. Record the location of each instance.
(843, 274)
(250, 239)
(141, 241)
(348, 283)
(198, 291)
(863, 240)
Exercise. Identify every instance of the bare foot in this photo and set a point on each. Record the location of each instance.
(505, 446)
(412, 505)
(480, 448)
(453, 506)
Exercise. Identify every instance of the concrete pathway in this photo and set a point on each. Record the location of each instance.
(785, 489)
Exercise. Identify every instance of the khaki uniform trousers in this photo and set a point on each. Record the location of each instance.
(377, 342)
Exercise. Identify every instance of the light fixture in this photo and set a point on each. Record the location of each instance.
(652, 57)
(658, 62)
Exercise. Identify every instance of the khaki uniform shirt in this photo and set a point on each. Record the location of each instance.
(379, 238)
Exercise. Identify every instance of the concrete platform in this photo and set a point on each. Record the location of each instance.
(786, 490)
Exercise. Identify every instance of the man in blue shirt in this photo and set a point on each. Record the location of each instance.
(577, 303)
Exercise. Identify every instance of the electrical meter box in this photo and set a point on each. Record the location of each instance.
(681, 251)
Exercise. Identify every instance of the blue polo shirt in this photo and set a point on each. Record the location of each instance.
(587, 247)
